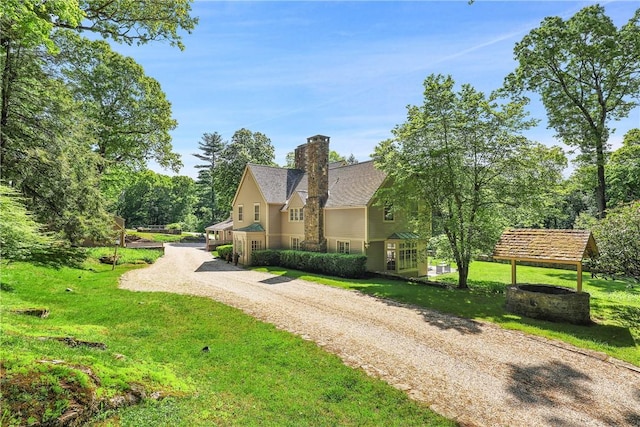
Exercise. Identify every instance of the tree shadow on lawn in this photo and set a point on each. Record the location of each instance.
(612, 335)
(603, 285)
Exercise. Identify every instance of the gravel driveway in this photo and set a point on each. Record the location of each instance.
(472, 372)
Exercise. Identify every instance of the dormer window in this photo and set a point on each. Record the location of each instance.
(296, 214)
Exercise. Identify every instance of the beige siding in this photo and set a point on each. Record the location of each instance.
(248, 194)
(345, 223)
(291, 228)
(380, 229)
(376, 257)
(274, 228)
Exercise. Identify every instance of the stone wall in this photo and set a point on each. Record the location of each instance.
(553, 303)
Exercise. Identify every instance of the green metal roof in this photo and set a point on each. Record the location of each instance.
(403, 235)
(255, 227)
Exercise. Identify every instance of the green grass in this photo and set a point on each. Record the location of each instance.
(125, 255)
(615, 305)
(253, 374)
(157, 237)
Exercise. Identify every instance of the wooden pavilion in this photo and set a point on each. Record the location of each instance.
(546, 246)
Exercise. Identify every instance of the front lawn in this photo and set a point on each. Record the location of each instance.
(198, 362)
(615, 305)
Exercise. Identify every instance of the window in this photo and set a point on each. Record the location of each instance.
(295, 243)
(240, 213)
(388, 212)
(343, 247)
(408, 256)
(256, 245)
(391, 256)
(256, 212)
(295, 214)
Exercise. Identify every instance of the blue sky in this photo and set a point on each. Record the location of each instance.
(343, 69)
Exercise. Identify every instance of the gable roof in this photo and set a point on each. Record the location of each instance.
(275, 184)
(545, 245)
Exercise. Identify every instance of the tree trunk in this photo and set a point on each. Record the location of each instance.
(463, 274)
(601, 199)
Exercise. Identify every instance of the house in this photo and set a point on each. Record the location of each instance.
(323, 207)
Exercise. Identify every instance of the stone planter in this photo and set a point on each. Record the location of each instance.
(554, 303)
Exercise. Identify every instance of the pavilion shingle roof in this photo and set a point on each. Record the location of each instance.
(227, 224)
(545, 245)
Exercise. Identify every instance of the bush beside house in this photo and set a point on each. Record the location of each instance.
(225, 251)
(333, 264)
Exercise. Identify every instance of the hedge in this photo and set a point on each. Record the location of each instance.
(224, 250)
(332, 264)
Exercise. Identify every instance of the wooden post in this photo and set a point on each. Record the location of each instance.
(115, 257)
(513, 271)
(579, 268)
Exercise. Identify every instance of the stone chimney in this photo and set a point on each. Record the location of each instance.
(316, 162)
(300, 157)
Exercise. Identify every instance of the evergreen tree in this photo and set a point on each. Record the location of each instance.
(211, 147)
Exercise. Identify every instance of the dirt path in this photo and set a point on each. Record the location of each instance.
(475, 373)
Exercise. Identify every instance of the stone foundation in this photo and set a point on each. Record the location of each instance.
(554, 303)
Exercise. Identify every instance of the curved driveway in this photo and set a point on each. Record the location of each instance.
(473, 372)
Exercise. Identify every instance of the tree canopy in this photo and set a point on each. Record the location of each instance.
(71, 107)
(245, 147)
(129, 114)
(461, 154)
(587, 73)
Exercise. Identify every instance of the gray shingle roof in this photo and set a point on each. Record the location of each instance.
(353, 185)
(276, 184)
(349, 186)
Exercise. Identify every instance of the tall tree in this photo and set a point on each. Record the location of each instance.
(211, 147)
(45, 150)
(588, 74)
(130, 114)
(461, 153)
(245, 147)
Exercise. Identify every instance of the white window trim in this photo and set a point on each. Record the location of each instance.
(388, 208)
(240, 213)
(294, 246)
(296, 215)
(347, 245)
(256, 218)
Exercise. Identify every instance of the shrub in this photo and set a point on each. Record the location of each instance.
(224, 251)
(173, 226)
(333, 264)
(265, 257)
